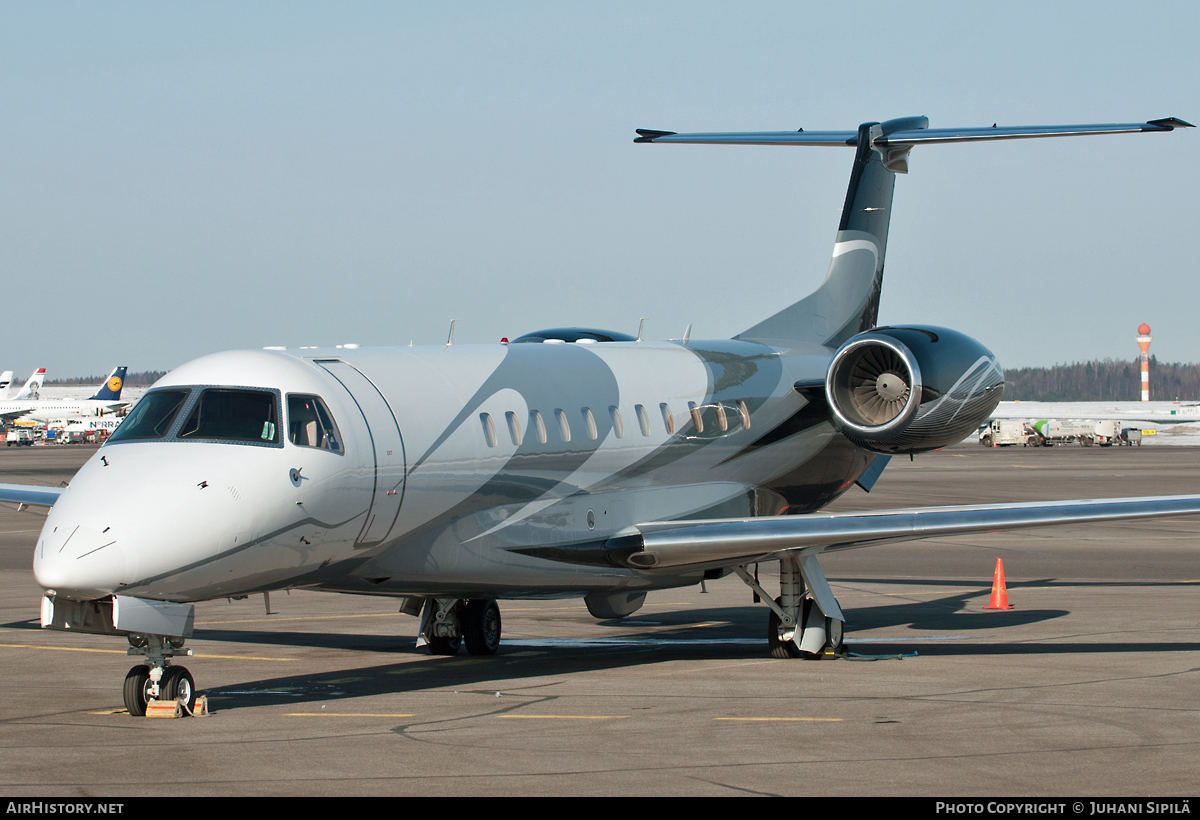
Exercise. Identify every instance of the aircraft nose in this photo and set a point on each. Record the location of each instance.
(79, 561)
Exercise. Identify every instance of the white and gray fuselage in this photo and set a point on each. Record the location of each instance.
(481, 470)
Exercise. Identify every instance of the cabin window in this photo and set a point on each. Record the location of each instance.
(643, 419)
(589, 423)
(514, 427)
(668, 418)
(537, 426)
(226, 414)
(564, 426)
(722, 421)
(697, 419)
(743, 414)
(489, 429)
(152, 416)
(310, 424)
(617, 422)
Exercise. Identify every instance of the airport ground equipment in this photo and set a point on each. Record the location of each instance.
(570, 462)
(1004, 433)
(1049, 432)
(1131, 436)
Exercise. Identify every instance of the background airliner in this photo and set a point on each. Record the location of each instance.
(34, 408)
(569, 462)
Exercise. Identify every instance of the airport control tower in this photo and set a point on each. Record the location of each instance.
(1144, 339)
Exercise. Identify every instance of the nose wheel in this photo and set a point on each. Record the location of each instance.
(155, 678)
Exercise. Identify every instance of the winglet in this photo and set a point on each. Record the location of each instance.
(1170, 122)
(649, 135)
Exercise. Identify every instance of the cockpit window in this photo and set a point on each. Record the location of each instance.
(233, 415)
(310, 424)
(152, 416)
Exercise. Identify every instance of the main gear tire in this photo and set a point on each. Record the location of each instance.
(481, 626)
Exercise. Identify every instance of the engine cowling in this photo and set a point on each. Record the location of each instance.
(912, 389)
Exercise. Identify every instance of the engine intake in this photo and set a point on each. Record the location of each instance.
(911, 389)
(874, 387)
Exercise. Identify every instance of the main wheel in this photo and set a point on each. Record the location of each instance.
(481, 626)
(137, 686)
(177, 684)
(779, 647)
(439, 645)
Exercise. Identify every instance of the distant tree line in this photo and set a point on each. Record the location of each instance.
(144, 378)
(1107, 380)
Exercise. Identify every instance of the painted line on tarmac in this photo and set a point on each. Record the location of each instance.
(267, 620)
(784, 719)
(562, 717)
(124, 652)
(62, 648)
(346, 714)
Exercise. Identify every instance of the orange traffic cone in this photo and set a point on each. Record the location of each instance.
(999, 592)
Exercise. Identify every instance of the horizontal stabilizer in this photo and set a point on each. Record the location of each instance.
(723, 542)
(920, 136)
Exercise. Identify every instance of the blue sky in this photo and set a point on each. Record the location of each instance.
(177, 179)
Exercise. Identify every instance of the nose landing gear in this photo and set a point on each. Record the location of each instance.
(155, 678)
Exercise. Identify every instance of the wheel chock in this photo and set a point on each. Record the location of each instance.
(163, 709)
(200, 707)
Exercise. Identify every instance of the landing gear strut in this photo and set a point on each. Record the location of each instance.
(447, 623)
(155, 678)
(805, 621)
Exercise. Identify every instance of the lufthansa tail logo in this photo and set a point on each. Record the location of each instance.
(114, 384)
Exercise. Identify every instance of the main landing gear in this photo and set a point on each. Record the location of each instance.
(447, 623)
(805, 621)
(155, 678)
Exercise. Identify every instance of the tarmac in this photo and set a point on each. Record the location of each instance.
(1087, 687)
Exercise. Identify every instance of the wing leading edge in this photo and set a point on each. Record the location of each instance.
(32, 495)
(722, 542)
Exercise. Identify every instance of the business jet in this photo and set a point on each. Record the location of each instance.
(34, 408)
(568, 462)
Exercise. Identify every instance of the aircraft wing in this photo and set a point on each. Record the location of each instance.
(11, 416)
(33, 495)
(723, 542)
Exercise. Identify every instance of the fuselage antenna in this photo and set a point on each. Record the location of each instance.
(641, 324)
(450, 338)
(687, 334)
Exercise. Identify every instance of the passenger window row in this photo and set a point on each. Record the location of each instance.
(731, 416)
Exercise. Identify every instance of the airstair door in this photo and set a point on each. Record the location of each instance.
(388, 447)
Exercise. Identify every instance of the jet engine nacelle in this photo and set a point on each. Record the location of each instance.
(912, 389)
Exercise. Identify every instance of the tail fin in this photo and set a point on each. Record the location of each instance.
(111, 389)
(32, 387)
(847, 302)
(5, 379)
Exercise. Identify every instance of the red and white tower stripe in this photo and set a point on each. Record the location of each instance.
(1144, 339)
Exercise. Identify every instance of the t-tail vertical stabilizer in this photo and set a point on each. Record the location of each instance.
(847, 302)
